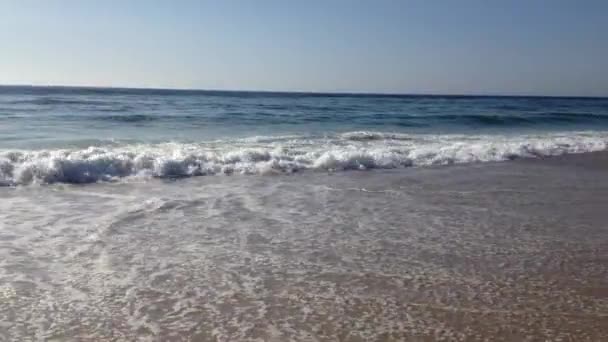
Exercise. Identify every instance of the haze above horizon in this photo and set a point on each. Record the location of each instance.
(473, 47)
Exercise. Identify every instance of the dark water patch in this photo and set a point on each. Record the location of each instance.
(5, 116)
(577, 116)
(119, 109)
(404, 123)
(271, 106)
(106, 117)
(49, 101)
(517, 120)
(129, 118)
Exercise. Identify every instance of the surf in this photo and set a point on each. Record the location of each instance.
(262, 155)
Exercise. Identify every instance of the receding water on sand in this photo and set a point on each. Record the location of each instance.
(493, 251)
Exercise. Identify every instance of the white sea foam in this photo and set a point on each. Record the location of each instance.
(348, 151)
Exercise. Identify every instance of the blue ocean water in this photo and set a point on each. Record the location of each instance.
(64, 134)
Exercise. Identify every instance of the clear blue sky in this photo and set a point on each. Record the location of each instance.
(551, 47)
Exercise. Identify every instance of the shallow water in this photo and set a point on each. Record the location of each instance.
(499, 251)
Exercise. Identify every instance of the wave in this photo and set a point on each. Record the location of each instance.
(519, 120)
(287, 154)
(399, 120)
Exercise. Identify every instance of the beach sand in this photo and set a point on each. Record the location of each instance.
(510, 251)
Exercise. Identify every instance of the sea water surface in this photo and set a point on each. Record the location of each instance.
(84, 135)
(106, 233)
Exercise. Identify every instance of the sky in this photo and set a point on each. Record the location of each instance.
(516, 47)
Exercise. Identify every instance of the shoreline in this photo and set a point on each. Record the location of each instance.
(505, 251)
(86, 172)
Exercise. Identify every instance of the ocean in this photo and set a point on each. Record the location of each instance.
(85, 135)
(178, 215)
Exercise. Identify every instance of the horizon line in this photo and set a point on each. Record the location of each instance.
(295, 92)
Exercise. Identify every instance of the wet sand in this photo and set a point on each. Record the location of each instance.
(512, 251)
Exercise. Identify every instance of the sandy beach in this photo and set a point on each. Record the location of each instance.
(512, 251)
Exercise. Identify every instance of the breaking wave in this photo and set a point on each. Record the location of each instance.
(268, 155)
